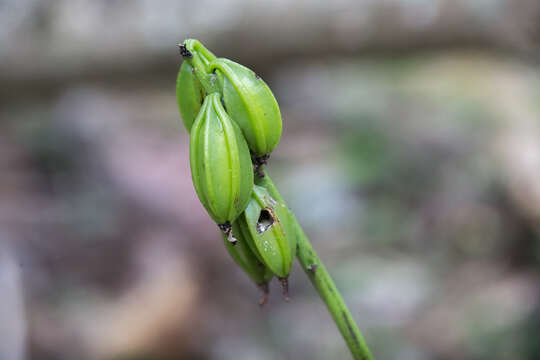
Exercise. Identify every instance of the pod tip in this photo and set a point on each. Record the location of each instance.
(266, 292)
(184, 51)
(285, 288)
(227, 230)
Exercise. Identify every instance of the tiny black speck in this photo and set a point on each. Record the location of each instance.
(184, 51)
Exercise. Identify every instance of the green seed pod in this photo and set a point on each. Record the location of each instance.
(189, 94)
(250, 102)
(220, 163)
(246, 259)
(273, 235)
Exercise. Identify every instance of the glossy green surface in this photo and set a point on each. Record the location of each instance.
(251, 104)
(273, 236)
(246, 258)
(189, 94)
(220, 162)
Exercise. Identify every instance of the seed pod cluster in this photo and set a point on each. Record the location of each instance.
(234, 123)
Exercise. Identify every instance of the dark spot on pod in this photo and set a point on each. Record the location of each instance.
(258, 171)
(312, 268)
(227, 230)
(257, 77)
(260, 160)
(223, 227)
(266, 220)
(184, 51)
(258, 163)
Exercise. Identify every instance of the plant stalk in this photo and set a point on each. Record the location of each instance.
(323, 283)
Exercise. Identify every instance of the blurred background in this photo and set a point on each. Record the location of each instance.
(410, 154)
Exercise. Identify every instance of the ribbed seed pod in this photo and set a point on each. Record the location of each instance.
(264, 183)
(220, 163)
(246, 259)
(189, 94)
(251, 104)
(273, 235)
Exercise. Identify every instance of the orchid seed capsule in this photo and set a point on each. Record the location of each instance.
(220, 164)
(273, 235)
(251, 104)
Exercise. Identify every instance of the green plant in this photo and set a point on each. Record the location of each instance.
(232, 116)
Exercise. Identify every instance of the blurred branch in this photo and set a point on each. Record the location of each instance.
(50, 46)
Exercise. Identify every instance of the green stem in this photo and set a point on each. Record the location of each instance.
(200, 60)
(323, 283)
(196, 45)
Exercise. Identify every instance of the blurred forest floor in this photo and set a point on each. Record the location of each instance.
(410, 154)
